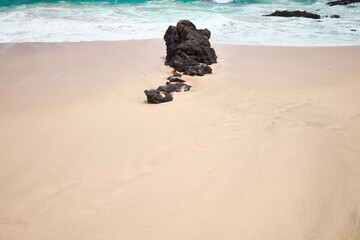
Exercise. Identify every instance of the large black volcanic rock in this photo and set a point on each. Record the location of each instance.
(342, 2)
(294, 14)
(188, 49)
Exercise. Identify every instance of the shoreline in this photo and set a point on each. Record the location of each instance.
(266, 147)
(161, 39)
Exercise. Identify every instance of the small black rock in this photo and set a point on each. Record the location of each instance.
(174, 87)
(335, 16)
(155, 96)
(353, 30)
(175, 79)
(176, 74)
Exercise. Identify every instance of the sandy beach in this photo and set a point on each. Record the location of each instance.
(267, 147)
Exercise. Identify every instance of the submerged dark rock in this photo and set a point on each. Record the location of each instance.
(342, 2)
(156, 96)
(333, 16)
(294, 14)
(174, 87)
(188, 48)
(175, 79)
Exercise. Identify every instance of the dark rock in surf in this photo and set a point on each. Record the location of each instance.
(188, 49)
(333, 16)
(156, 96)
(342, 2)
(297, 13)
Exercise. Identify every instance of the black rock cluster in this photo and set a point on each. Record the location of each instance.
(164, 93)
(188, 51)
(305, 14)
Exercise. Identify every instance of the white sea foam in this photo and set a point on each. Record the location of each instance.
(235, 23)
(223, 1)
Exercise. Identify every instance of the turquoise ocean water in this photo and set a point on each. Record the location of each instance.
(230, 21)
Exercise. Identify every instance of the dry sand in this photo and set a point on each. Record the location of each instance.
(267, 147)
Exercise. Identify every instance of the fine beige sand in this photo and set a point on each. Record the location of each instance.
(267, 147)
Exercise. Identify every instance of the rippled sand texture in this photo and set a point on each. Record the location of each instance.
(267, 147)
